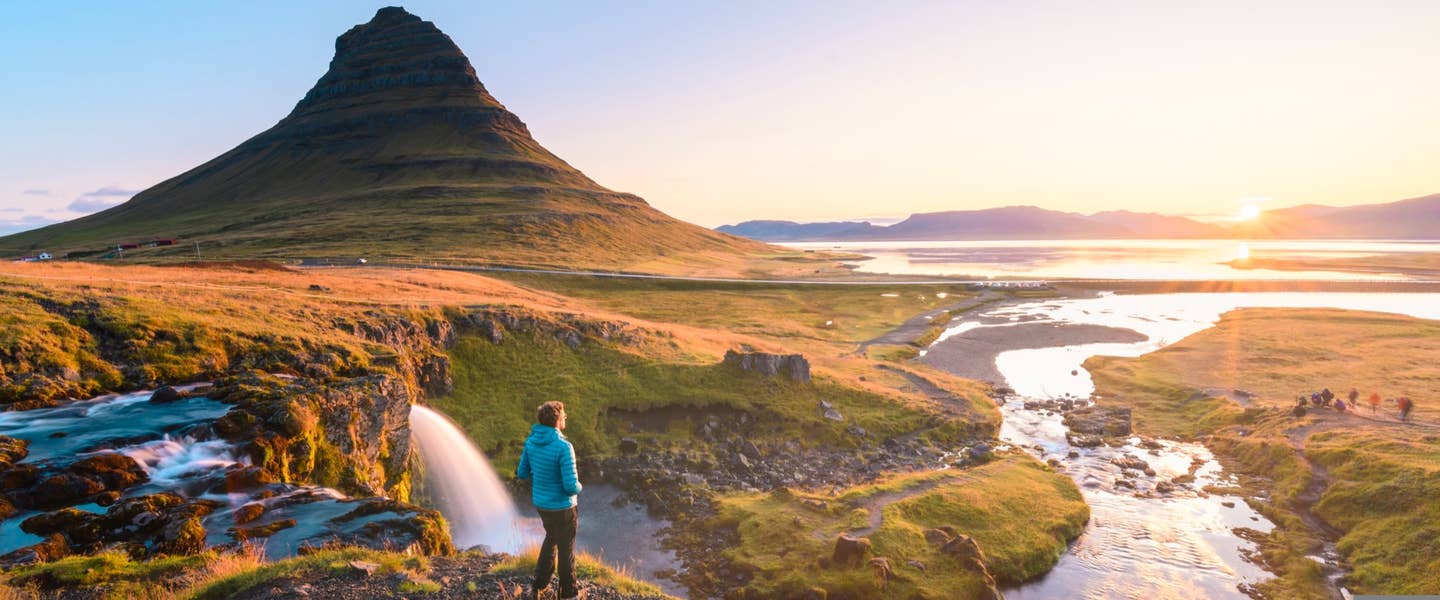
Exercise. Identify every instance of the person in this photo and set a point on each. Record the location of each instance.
(1302, 401)
(1339, 405)
(1354, 395)
(1405, 407)
(1326, 396)
(1374, 402)
(1315, 399)
(1299, 410)
(548, 462)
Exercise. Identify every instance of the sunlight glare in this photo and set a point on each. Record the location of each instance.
(1243, 252)
(1249, 212)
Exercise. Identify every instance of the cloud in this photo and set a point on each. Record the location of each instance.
(24, 223)
(100, 199)
(36, 192)
(110, 190)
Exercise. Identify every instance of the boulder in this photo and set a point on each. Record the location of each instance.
(883, 572)
(12, 450)
(792, 366)
(629, 446)
(1109, 421)
(849, 551)
(166, 395)
(968, 554)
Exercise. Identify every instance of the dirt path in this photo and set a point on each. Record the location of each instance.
(916, 326)
(875, 505)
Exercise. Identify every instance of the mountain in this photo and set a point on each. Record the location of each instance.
(1160, 226)
(1416, 218)
(1006, 223)
(398, 151)
(786, 231)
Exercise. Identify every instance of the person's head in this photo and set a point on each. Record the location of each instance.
(551, 414)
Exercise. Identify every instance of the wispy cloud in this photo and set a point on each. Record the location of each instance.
(36, 192)
(100, 199)
(10, 225)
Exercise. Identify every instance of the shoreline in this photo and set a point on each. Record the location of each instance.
(972, 354)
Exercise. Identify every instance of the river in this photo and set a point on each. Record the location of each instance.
(1141, 543)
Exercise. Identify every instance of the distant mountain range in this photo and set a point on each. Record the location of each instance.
(1416, 218)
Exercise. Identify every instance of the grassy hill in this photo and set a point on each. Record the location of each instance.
(397, 152)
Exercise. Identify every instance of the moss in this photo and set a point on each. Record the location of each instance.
(1020, 512)
(496, 385)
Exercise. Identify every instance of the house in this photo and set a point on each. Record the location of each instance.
(129, 246)
(44, 256)
(164, 242)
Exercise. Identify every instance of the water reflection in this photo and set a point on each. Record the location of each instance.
(1114, 259)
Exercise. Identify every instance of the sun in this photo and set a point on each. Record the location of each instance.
(1249, 212)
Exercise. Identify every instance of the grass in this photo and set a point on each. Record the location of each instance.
(498, 386)
(844, 314)
(1379, 479)
(1020, 512)
(588, 567)
(327, 562)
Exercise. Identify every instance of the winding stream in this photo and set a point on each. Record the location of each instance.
(1141, 543)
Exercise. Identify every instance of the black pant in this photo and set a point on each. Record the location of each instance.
(559, 534)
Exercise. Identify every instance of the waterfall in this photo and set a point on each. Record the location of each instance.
(464, 487)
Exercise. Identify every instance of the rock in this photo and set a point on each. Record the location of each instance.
(980, 451)
(365, 568)
(919, 566)
(834, 415)
(12, 450)
(936, 537)
(1084, 440)
(248, 512)
(81, 482)
(166, 395)
(1072, 454)
(1227, 504)
(260, 531)
(849, 551)
(629, 446)
(883, 572)
(965, 551)
(1164, 487)
(792, 366)
(1125, 461)
(52, 548)
(1108, 421)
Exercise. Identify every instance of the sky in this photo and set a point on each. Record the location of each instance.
(722, 112)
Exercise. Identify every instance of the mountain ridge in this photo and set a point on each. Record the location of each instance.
(1413, 218)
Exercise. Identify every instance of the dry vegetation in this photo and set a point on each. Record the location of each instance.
(1369, 476)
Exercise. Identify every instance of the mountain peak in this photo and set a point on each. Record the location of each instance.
(395, 57)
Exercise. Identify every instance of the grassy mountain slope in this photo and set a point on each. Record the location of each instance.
(398, 151)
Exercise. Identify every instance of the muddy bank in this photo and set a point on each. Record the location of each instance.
(972, 353)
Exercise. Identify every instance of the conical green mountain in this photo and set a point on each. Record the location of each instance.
(400, 152)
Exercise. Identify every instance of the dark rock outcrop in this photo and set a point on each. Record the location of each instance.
(792, 366)
(849, 552)
(85, 480)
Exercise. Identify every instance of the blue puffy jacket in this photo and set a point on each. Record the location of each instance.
(548, 461)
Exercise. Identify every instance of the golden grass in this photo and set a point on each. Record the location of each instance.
(1380, 479)
(1020, 512)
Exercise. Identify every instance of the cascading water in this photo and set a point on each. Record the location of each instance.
(464, 487)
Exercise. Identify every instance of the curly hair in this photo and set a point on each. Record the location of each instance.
(549, 413)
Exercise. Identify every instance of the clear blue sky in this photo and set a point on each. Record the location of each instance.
(720, 112)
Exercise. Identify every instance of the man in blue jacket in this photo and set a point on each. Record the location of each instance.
(548, 462)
